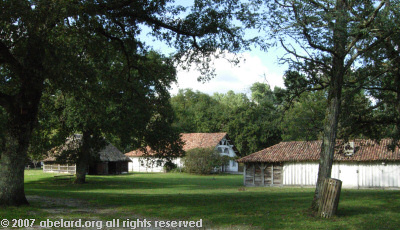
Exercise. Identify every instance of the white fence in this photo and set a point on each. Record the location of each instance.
(59, 168)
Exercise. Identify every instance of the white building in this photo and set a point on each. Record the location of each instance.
(358, 164)
(220, 141)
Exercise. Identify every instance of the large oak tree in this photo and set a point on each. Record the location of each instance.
(44, 42)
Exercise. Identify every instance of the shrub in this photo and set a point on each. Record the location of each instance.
(203, 160)
(169, 165)
(176, 170)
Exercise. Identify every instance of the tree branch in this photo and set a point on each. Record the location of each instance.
(364, 25)
(5, 100)
(368, 48)
(381, 89)
(319, 5)
(121, 43)
(303, 57)
(307, 34)
(175, 28)
(7, 57)
(282, 4)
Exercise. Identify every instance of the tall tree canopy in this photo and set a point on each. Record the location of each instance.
(128, 113)
(61, 44)
(253, 124)
(324, 40)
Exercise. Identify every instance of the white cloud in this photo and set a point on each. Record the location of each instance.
(238, 78)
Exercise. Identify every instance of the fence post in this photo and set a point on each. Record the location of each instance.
(330, 197)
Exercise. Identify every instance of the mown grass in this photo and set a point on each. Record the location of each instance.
(220, 201)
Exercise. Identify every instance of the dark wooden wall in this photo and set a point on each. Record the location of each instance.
(263, 174)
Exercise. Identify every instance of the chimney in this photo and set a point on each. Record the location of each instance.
(349, 148)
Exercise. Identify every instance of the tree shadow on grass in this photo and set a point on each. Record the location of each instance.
(220, 202)
(141, 181)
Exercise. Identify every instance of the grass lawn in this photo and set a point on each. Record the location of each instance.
(220, 201)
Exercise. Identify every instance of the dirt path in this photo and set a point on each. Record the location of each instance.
(68, 209)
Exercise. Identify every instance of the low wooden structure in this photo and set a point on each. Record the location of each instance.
(109, 160)
(358, 164)
(330, 196)
(262, 174)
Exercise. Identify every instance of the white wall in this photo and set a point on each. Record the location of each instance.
(224, 148)
(140, 164)
(352, 174)
(300, 173)
(227, 150)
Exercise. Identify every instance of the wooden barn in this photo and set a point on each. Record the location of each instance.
(220, 141)
(358, 163)
(109, 161)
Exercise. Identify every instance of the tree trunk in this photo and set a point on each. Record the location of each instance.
(328, 145)
(22, 109)
(22, 115)
(81, 169)
(82, 161)
(12, 165)
(334, 101)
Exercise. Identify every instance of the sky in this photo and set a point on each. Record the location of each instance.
(255, 66)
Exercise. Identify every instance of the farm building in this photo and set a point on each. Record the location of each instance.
(220, 141)
(359, 163)
(109, 161)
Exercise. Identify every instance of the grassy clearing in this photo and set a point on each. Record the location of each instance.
(220, 201)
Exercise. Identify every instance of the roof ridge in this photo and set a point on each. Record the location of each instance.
(295, 151)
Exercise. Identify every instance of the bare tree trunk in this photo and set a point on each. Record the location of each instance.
(82, 161)
(81, 169)
(334, 101)
(328, 146)
(12, 165)
(22, 115)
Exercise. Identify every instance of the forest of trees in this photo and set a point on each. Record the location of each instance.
(252, 123)
(265, 116)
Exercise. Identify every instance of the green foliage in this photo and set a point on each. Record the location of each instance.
(325, 41)
(303, 121)
(251, 124)
(253, 127)
(169, 166)
(203, 160)
(3, 123)
(304, 117)
(379, 78)
(129, 113)
(196, 112)
(91, 52)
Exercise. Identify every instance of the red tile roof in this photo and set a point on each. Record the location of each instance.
(191, 140)
(364, 150)
(201, 140)
(139, 152)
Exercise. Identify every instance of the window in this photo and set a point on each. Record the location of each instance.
(222, 142)
(233, 164)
